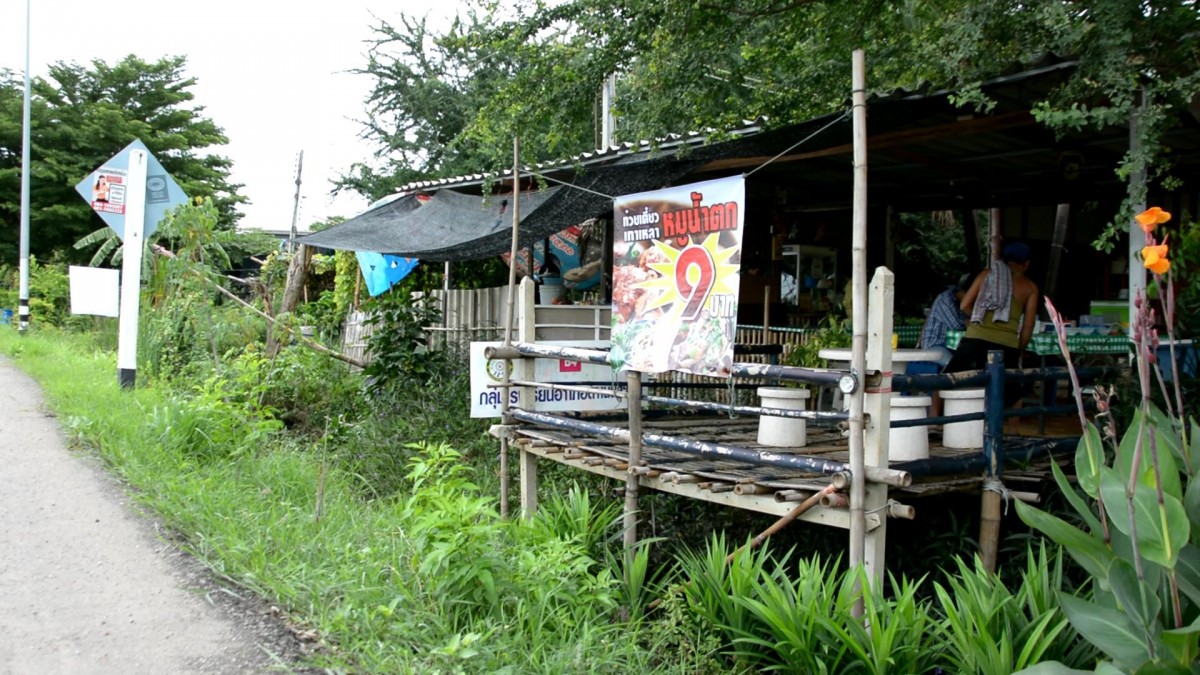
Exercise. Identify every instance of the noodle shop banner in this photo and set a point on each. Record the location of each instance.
(676, 264)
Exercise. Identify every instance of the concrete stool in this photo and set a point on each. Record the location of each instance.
(963, 434)
(908, 443)
(783, 432)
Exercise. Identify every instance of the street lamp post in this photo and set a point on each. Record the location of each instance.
(23, 310)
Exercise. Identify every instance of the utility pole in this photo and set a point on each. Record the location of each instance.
(607, 121)
(23, 311)
(296, 208)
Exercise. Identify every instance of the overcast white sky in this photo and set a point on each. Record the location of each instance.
(273, 75)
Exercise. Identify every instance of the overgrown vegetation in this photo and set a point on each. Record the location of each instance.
(368, 512)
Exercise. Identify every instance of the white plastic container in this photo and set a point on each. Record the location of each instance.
(783, 432)
(907, 443)
(963, 434)
(550, 293)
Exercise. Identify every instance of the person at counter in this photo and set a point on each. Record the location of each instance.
(945, 314)
(1002, 305)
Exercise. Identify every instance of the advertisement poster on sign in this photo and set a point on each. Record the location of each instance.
(487, 373)
(108, 191)
(676, 266)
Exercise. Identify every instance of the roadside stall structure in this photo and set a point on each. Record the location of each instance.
(926, 154)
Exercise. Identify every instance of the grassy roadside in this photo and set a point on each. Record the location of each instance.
(425, 577)
(429, 582)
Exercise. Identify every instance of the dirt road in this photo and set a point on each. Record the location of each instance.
(86, 585)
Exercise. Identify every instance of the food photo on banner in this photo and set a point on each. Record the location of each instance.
(676, 265)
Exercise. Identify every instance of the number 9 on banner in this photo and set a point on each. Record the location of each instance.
(695, 274)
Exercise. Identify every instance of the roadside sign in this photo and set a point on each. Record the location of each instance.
(106, 188)
(486, 373)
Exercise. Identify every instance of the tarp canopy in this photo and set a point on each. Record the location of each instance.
(455, 226)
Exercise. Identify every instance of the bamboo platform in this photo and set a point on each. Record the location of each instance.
(766, 489)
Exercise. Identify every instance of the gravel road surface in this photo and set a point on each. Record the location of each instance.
(88, 585)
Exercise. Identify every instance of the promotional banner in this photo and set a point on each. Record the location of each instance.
(676, 264)
(485, 373)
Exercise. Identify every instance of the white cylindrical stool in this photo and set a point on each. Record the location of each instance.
(963, 434)
(783, 432)
(907, 443)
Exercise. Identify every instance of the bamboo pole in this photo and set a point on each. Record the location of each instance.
(784, 521)
(858, 358)
(632, 481)
(510, 311)
(993, 452)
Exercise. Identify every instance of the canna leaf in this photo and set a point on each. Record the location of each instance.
(1191, 502)
(1088, 550)
(1110, 630)
(1184, 643)
(1084, 510)
(1187, 572)
(1051, 668)
(1089, 457)
(1162, 530)
(1139, 601)
(1193, 457)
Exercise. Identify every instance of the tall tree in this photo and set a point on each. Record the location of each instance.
(431, 87)
(82, 116)
(696, 64)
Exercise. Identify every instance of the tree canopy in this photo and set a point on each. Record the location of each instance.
(455, 100)
(82, 116)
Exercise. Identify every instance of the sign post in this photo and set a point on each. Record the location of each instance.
(131, 269)
(131, 193)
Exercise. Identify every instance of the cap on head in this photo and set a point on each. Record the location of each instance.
(1016, 253)
(964, 282)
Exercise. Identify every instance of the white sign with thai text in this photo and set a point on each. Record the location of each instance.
(485, 374)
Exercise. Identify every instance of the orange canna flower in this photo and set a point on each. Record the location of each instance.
(1155, 259)
(1151, 218)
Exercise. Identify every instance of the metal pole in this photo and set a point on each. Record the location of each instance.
(608, 121)
(23, 310)
(1137, 201)
(858, 358)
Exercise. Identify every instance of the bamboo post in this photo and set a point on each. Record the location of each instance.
(858, 520)
(993, 453)
(510, 310)
(632, 481)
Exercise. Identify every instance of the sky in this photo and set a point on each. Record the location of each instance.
(272, 75)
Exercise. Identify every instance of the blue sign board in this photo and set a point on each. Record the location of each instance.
(105, 190)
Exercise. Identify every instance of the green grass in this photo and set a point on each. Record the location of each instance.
(430, 581)
(394, 553)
